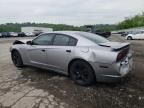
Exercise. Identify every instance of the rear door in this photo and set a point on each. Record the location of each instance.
(37, 51)
(59, 55)
(138, 35)
(135, 35)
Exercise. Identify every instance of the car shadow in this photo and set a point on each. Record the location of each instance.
(41, 75)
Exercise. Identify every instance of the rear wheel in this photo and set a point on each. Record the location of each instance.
(129, 38)
(16, 58)
(82, 73)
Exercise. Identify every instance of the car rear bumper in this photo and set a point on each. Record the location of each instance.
(113, 72)
(109, 78)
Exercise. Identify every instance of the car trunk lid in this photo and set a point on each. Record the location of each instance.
(121, 48)
(115, 46)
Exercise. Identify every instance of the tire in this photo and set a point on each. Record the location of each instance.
(82, 73)
(129, 38)
(16, 58)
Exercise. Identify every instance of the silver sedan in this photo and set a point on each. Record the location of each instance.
(85, 57)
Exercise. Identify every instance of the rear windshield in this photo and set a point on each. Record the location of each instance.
(93, 37)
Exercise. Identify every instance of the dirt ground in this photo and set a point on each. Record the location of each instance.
(35, 88)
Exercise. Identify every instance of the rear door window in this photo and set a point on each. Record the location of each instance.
(72, 42)
(61, 40)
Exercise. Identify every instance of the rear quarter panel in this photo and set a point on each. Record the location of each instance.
(102, 55)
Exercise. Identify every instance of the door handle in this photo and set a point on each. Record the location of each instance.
(69, 51)
(43, 50)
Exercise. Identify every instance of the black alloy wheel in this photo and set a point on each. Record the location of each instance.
(16, 58)
(82, 73)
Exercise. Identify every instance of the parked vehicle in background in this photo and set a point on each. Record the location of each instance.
(37, 33)
(103, 33)
(135, 35)
(124, 34)
(85, 57)
(13, 34)
(29, 34)
(120, 33)
(21, 34)
(92, 29)
(6, 34)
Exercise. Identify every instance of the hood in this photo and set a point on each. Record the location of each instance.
(25, 40)
(21, 41)
(115, 45)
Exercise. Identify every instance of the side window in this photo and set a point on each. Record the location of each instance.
(72, 42)
(45, 39)
(61, 40)
(135, 33)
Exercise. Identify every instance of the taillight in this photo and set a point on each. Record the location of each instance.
(122, 54)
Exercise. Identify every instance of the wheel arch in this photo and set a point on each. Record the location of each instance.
(80, 59)
(130, 37)
(20, 64)
(14, 50)
(17, 51)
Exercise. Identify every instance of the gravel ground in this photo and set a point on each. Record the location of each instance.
(36, 88)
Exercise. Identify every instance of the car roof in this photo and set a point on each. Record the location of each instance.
(71, 33)
(65, 32)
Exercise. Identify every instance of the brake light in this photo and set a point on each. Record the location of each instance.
(120, 57)
(122, 54)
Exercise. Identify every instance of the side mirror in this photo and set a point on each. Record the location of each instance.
(29, 43)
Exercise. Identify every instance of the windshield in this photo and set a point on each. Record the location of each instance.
(93, 37)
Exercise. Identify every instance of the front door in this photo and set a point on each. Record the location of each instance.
(37, 55)
(37, 51)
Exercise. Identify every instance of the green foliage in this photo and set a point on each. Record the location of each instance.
(136, 21)
(16, 27)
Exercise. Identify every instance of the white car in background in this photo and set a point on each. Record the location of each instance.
(29, 34)
(135, 35)
(13, 34)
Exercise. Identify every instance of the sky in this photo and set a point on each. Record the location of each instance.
(72, 12)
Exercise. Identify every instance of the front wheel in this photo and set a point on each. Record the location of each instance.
(82, 73)
(16, 58)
